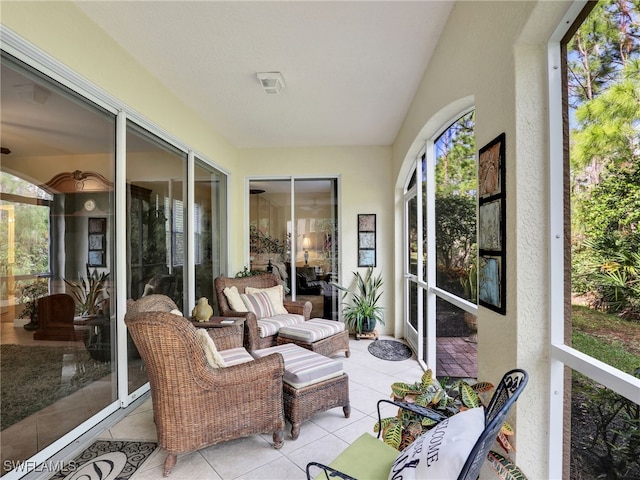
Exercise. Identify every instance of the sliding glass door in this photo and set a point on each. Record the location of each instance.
(57, 230)
(63, 370)
(293, 232)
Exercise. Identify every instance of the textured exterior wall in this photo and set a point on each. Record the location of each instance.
(493, 55)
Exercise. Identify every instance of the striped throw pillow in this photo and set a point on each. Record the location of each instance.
(258, 303)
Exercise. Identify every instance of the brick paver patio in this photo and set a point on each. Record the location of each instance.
(457, 357)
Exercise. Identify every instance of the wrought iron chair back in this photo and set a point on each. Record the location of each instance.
(507, 392)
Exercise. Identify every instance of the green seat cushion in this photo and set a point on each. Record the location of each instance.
(367, 459)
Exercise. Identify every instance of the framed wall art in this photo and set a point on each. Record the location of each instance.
(367, 240)
(97, 255)
(492, 225)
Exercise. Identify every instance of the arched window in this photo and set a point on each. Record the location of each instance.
(441, 250)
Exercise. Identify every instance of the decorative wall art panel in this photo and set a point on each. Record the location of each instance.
(492, 225)
(367, 240)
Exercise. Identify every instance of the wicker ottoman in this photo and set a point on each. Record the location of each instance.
(312, 383)
(325, 337)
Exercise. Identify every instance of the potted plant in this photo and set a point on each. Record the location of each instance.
(362, 312)
(90, 293)
(447, 400)
(29, 298)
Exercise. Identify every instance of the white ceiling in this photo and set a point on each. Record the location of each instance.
(351, 67)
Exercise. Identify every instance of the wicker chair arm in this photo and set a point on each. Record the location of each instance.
(328, 472)
(299, 308)
(227, 338)
(251, 339)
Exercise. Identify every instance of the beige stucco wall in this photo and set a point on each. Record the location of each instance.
(492, 55)
(364, 177)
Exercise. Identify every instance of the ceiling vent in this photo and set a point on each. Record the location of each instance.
(272, 82)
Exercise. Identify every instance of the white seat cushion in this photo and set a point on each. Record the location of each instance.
(312, 330)
(271, 325)
(303, 367)
(235, 356)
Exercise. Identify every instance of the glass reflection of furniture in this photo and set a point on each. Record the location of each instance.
(55, 318)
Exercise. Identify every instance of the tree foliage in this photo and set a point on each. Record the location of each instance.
(455, 199)
(29, 251)
(604, 97)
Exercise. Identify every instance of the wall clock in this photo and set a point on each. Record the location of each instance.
(90, 205)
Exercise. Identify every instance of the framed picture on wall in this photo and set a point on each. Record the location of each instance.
(97, 242)
(492, 225)
(367, 240)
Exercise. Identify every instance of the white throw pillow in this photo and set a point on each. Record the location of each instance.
(233, 297)
(276, 295)
(441, 452)
(177, 312)
(210, 351)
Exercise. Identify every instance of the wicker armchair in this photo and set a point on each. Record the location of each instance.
(195, 405)
(252, 340)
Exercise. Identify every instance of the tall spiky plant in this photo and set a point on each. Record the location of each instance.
(364, 296)
(90, 292)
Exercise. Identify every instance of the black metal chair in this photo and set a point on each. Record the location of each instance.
(507, 392)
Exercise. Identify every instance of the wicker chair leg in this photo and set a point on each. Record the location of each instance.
(295, 430)
(278, 439)
(169, 463)
(347, 411)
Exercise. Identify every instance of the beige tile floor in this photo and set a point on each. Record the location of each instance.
(321, 439)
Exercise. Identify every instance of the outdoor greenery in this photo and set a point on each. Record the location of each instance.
(604, 96)
(614, 421)
(30, 213)
(455, 204)
(603, 60)
(611, 422)
(29, 295)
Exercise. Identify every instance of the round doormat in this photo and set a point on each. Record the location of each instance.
(390, 350)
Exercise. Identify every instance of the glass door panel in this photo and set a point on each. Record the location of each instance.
(56, 248)
(302, 250)
(155, 245)
(210, 191)
(315, 229)
(270, 229)
(411, 323)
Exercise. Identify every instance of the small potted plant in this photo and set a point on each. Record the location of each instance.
(90, 293)
(29, 298)
(361, 312)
